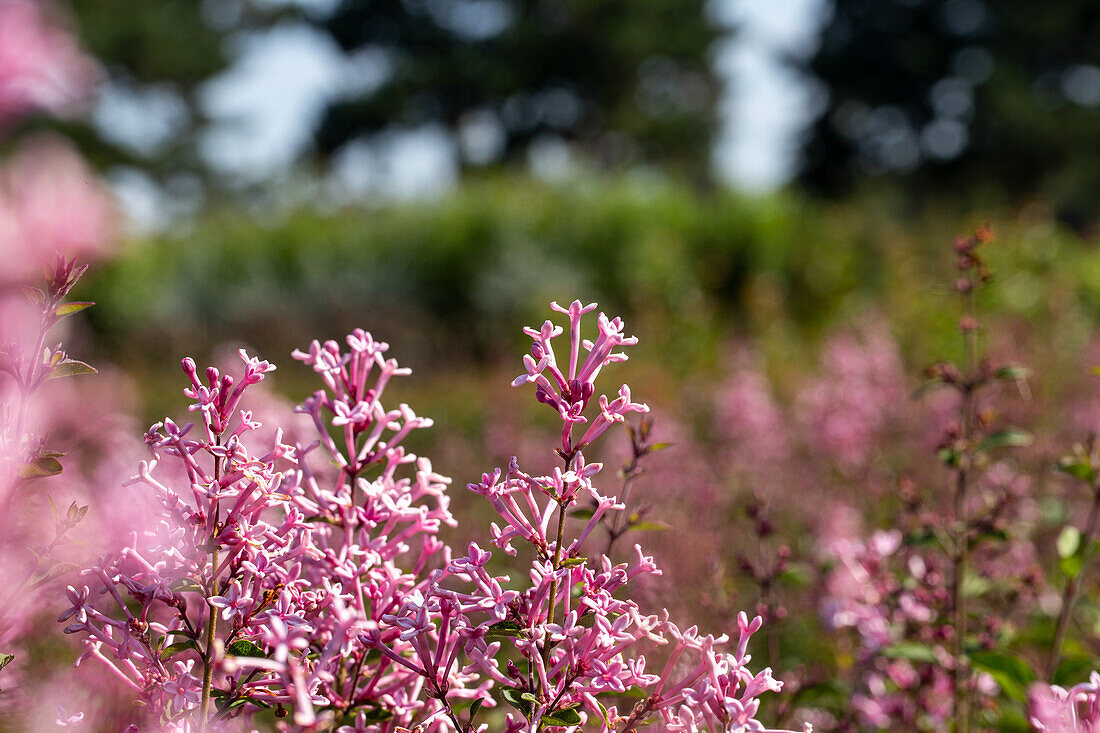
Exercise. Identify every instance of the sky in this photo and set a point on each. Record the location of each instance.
(264, 107)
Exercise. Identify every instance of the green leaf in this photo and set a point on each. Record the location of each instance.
(603, 711)
(581, 514)
(51, 573)
(244, 648)
(1079, 469)
(1068, 541)
(1073, 669)
(975, 585)
(173, 649)
(5, 659)
(1071, 565)
(664, 445)
(185, 585)
(988, 535)
(71, 368)
(1006, 438)
(949, 456)
(796, 576)
(236, 702)
(516, 699)
(504, 628)
(1011, 673)
(475, 706)
(67, 309)
(911, 651)
(375, 714)
(563, 716)
(919, 539)
(326, 520)
(40, 468)
(926, 387)
(573, 562)
(1012, 372)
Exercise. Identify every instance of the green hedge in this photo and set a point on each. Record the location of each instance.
(450, 281)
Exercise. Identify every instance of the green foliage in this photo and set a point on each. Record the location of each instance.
(464, 269)
(1010, 672)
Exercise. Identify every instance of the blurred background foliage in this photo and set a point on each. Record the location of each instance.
(936, 99)
(922, 119)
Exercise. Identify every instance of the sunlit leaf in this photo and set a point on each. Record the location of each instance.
(71, 368)
(40, 468)
(185, 585)
(244, 648)
(516, 699)
(1006, 438)
(563, 716)
(1012, 373)
(911, 651)
(173, 649)
(1069, 539)
(1079, 469)
(504, 628)
(67, 309)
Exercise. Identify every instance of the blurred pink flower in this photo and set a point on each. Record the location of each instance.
(50, 202)
(41, 65)
(861, 389)
(749, 419)
(1058, 710)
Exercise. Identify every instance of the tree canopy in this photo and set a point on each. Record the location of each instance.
(961, 95)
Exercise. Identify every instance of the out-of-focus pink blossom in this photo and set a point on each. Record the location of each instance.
(860, 389)
(50, 202)
(749, 421)
(1055, 709)
(41, 65)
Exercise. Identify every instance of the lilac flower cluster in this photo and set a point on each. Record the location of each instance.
(323, 592)
(226, 543)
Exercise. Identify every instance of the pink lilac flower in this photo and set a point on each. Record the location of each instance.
(571, 391)
(1058, 710)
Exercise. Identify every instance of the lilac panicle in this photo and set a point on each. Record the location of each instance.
(226, 545)
(317, 574)
(570, 395)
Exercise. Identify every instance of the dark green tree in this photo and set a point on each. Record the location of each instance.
(625, 81)
(961, 97)
(157, 55)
